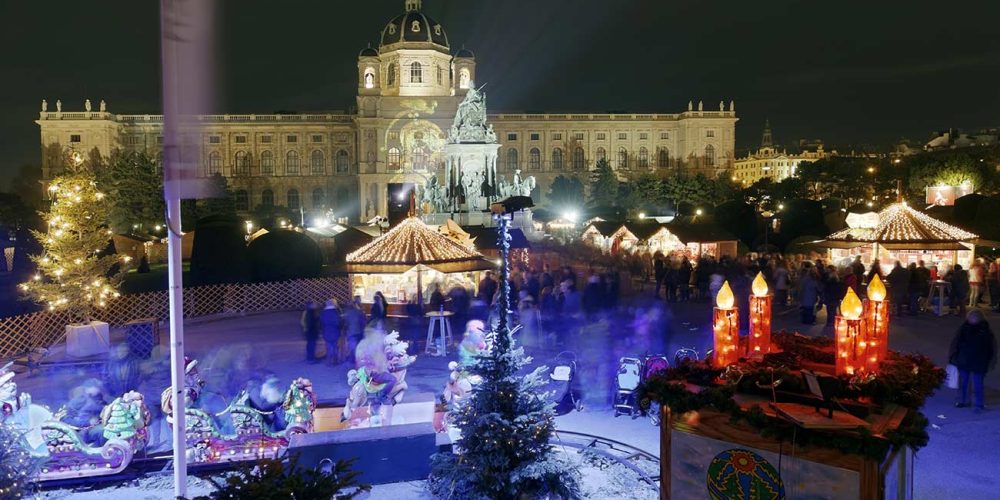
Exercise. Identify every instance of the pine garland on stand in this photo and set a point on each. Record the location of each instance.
(505, 423)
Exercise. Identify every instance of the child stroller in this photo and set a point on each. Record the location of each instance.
(562, 377)
(653, 364)
(627, 380)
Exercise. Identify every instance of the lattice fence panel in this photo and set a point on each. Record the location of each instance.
(22, 333)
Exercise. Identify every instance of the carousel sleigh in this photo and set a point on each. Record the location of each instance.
(62, 448)
(252, 436)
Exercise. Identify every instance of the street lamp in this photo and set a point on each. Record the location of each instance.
(698, 212)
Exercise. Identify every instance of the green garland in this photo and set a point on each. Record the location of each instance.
(905, 379)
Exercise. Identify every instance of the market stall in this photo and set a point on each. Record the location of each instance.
(649, 237)
(406, 262)
(902, 233)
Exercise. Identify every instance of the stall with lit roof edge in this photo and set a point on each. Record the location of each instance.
(793, 416)
(407, 261)
(900, 232)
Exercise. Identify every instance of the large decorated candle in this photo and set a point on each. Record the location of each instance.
(854, 355)
(877, 318)
(726, 326)
(760, 318)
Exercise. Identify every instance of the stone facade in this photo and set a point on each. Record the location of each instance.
(409, 89)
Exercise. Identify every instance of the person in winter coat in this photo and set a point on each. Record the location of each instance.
(354, 326)
(380, 309)
(899, 286)
(310, 327)
(959, 279)
(974, 352)
(833, 292)
(330, 319)
(809, 292)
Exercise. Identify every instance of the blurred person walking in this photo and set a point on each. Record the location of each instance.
(974, 352)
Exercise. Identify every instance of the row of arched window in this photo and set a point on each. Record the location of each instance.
(416, 75)
(317, 163)
(513, 161)
(293, 199)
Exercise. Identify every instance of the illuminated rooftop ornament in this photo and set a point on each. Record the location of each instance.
(900, 223)
(876, 289)
(725, 298)
(759, 286)
(851, 307)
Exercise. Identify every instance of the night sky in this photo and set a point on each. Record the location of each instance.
(859, 72)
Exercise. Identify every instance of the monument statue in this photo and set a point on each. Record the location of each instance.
(45, 105)
(86, 105)
(104, 106)
(58, 105)
(470, 120)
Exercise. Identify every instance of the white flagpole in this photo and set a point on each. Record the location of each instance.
(176, 293)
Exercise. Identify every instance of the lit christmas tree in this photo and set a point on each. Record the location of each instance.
(17, 466)
(506, 423)
(74, 272)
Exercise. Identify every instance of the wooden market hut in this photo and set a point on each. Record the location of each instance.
(899, 232)
(676, 237)
(399, 262)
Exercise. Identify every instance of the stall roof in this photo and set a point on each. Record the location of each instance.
(903, 227)
(412, 243)
(486, 237)
(688, 232)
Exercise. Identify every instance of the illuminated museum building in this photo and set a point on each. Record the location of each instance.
(408, 91)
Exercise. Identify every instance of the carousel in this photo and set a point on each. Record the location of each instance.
(901, 233)
(406, 262)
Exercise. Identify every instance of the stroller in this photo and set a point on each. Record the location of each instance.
(562, 376)
(653, 364)
(627, 380)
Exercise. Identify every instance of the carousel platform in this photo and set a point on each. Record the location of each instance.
(385, 453)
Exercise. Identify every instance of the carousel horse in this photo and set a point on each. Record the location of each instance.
(381, 374)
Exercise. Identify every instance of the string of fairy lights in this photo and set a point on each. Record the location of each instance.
(900, 222)
(412, 241)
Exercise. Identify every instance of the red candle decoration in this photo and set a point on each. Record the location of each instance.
(854, 354)
(877, 318)
(726, 322)
(760, 319)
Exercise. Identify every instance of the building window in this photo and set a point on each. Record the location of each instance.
(557, 136)
(319, 199)
(415, 26)
(292, 163)
(74, 138)
(643, 136)
(664, 135)
(557, 159)
(214, 163)
(391, 78)
(159, 139)
(419, 157)
(416, 73)
(292, 139)
(242, 163)
(317, 162)
(133, 140)
(602, 155)
(241, 139)
(511, 137)
(643, 158)
(622, 158)
(578, 136)
(266, 163)
(578, 160)
(534, 137)
(663, 158)
(512, 161)
(293, 199)
(464, 78)
(622, 136)
(534, 159)
(601, 136)
(394, 158)
(709, 133)
(393, 136)
(317, 138)
(440, 75)
(265, 139)
(709, 156)
(242, 200)
(267, 198)
(343, 162)
(214, 139)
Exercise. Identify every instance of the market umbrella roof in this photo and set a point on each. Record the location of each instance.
(413, 243)
(900, 227)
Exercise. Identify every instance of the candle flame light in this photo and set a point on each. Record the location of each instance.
(876, 289)
(759, 286)
(851, 307)
(725, 298)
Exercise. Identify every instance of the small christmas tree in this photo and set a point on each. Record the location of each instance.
(17, 466)
(505, 424)
(75, 273)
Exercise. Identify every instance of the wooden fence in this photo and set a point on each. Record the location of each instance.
(22, 333)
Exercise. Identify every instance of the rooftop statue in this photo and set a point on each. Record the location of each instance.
(470, 120)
